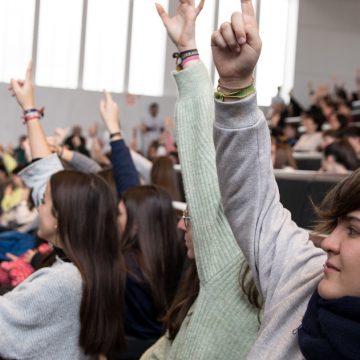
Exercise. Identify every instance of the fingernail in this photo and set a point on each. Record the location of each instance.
(242, 40)
(238, 49)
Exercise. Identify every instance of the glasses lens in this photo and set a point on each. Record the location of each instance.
(186, 219)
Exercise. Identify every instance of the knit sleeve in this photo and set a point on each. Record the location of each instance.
(214, 243)
(280, 253)
(38, 311)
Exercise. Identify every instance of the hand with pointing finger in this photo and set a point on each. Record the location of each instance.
(236, 47)
(23, 90)
(109, 111)
(181, 27)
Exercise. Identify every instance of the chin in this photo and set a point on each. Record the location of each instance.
(327, 290)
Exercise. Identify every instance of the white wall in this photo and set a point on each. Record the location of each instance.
(328, 43)
(69, 107)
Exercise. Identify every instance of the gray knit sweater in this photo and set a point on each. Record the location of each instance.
(286, 265)
(39, 319)
(221, 325)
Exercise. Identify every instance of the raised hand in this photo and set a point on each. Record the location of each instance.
(236, 47)
(109, 111)
(181, 27)
(23, 90)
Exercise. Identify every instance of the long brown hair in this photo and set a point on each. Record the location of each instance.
(151, 234)
(86, 213)
(185, 296)
(188, 291)
(164, 175)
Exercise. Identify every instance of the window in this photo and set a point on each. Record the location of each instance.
(277, 62)
(105, 45)
(59, 43)
(16, 37)
(226, 9)
(204, 28)
(148, 45)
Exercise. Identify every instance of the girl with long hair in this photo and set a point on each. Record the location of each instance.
(73, 309)
(211, 316)
(311, 295)
(152, 250)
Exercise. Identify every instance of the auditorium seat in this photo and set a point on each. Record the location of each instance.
(299, 189)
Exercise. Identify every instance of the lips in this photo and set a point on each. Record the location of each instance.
(330, 266)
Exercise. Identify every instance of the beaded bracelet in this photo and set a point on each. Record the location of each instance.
(31, 114)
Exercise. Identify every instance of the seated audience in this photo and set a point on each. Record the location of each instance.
(339, 158)
(164, 176)
(328, 137)
(352, 135)
(76, 141)
(311, 139)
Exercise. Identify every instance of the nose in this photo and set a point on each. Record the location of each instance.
(332, 243)
(181, 225)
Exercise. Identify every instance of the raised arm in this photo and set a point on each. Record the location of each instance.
(78, 160)
(124, 171)
(276, 249)
(214, 243)
(24, 93)
(37, 174)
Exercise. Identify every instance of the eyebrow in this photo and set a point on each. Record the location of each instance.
(352, 218)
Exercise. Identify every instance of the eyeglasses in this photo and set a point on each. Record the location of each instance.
(186, 218)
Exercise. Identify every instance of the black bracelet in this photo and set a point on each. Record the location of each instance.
(112, 135)
(40, 111)
(187, 53)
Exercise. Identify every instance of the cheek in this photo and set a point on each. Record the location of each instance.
(350, 258)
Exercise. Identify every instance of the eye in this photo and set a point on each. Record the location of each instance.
(352, 231)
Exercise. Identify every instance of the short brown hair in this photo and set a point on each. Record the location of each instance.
(339, 202)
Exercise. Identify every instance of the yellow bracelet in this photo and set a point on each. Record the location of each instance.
(240, 94)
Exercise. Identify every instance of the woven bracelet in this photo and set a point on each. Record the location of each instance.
(240, 94)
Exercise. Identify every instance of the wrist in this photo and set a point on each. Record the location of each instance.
(116, 135)
(235, 83)
(29, 105)
(114, 129)
(187, 47)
